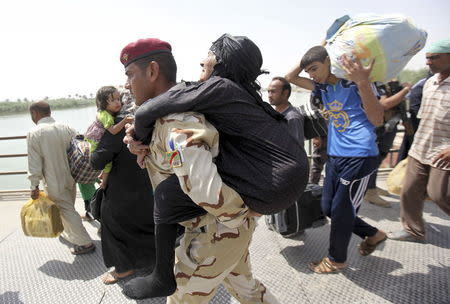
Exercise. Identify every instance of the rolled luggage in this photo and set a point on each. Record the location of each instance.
(304, 213)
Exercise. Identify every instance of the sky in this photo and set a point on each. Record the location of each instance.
(57, 48)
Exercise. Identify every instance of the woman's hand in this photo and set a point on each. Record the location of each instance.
(135, 147)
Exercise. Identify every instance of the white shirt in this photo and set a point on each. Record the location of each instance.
(47, 144)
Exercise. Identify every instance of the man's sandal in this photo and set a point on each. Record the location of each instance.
(365, 248)
(76, 250)
(325, 266)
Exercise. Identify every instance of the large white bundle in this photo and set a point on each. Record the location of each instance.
(391, 39)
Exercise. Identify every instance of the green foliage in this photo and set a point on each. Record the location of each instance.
(13, 107)
(412, 76)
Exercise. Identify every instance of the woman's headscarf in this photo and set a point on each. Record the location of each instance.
(240, 60)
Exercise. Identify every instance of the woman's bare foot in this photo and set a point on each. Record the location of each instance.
(112, 277)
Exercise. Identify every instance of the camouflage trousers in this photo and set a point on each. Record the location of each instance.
(211, 254)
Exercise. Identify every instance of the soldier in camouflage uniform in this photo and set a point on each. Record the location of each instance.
(180, 163)
(214, 249)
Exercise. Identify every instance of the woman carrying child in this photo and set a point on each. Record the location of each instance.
(108, 106)
(127, 233)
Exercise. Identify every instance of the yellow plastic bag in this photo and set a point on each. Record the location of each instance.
(41, 218)
(395, 179)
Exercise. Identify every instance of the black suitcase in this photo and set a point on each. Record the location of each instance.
(304, 213)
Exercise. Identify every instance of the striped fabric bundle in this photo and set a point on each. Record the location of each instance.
(79, 162)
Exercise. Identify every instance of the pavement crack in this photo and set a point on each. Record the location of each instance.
(103, 296)
(3, 239)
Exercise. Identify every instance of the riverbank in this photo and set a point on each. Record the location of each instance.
(15, 107)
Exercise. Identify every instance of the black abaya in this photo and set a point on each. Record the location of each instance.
(127, 233)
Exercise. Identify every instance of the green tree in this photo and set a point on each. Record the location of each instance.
(412, 76)
(60, 103)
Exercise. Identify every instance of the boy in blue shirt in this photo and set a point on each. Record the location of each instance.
(353, 111)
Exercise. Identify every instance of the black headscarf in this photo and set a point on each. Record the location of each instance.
(240, 60)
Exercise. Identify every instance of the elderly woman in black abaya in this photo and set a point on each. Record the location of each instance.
(127, 234)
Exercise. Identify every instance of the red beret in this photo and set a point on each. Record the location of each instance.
(143, 48)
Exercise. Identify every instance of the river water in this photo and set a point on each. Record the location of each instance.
(79, 119)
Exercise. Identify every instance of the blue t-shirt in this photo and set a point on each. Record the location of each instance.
(350, 133)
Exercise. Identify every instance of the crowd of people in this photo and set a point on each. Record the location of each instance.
(217, 157)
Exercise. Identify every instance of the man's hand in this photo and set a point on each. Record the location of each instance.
(34, 194)
(141, 159)
(406, 85)
(129, 133)
(317, 142)
(355, 71)
(442, 160)
(135, 147)
(129, 120)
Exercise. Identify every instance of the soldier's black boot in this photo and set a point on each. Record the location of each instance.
(161, 282)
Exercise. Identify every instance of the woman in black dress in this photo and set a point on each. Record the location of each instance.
(127, 233)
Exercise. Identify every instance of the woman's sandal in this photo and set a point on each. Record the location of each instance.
(111, 277)
(325, 266)
(365, 248)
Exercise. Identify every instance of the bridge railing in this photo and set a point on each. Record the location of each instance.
(2, 173)
(309, 150)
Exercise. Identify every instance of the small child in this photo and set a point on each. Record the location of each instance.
(108, 105)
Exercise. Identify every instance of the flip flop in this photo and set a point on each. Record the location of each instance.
(365, 248)
(325, 267)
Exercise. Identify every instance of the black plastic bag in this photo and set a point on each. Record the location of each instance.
(315, 124)
(96, 203)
